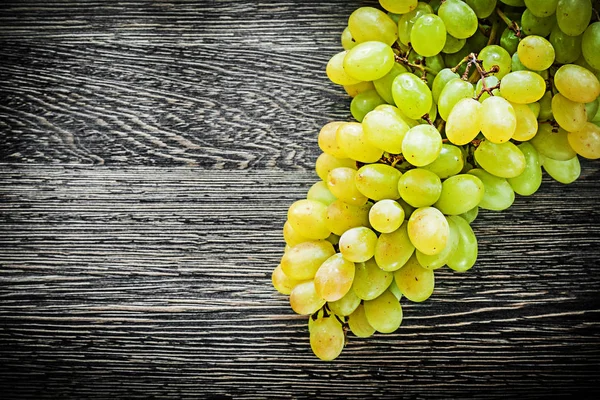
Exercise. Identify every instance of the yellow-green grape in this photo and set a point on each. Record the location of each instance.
(516, 64)
(370, 281)
(509, 40)
(358, 244)
(465, 255)
(498, 195)
(347, 40)
(407, 21)
(527, 124)
(567, 48)
(591, 109)
(342, 216)
(530, 180)
(577, 83)
(470, 215)
(411, 95)
(536, 53)
(535, 107)
(368, 24)
(428, 35)
(358, 323)
(439, 260)
(353, 142)
(378, 181)
(490, 81)
(334, 278)
(504, 160)
(522, 87)
(385, 129)
(320, 192)
(450, 162)
(303, 260)
(541, 8)
(415, 282)
(327, 338)
(570, 115)
(368, 61)
(422, 144)
(586, 141)
(562, 171)
(499, 121)
(398, 6)
(533, 25)
(384, 313)
(396, 111)
(304, 299)
(460, 193)
(327, 139)
(408, 209)
(440, 81)
(393, 249)
(590, 45)
(553, 144)
(383, 85)
(326, 163)
(290, 235)
(454, 91)
(464, 121)
(340, 182)
(336, 72)
(308, 218)
(482, 8)
(333, 239)
(420, 187)
(281, 282)
(545, 107)
(428, 230)
(395, 290)
(496, 55)
(459, 19)
(453, 44)
(358, 88)
(346, 305)
(386, 216)
(573, 16)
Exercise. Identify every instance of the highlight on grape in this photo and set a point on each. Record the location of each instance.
(458, 106)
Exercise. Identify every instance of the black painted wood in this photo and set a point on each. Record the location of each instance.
(148, 154)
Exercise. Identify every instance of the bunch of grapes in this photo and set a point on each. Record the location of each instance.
(458, 106)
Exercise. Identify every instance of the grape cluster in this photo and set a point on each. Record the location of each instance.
(458, 106)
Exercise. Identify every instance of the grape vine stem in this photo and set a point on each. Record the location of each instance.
(512, 25)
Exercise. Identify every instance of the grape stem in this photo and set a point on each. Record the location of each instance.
(402, 58)
(512, 25)
(391, 159)
(487, 90)
(427, 119)
(494, 32)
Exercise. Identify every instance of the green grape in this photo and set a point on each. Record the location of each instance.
(516, 64)
(304, 299)
(439, 260)
(499, 120)
(490, 82)
(341, 183)
(292, 237)
(573, 16)
(347, 304)
(327, 139)
(454, 91)
(586, 141)
(384, 313)
(562, 171)
(475, 43)
(351, 139)
(523, 87)
(570, 115)
(464, 121)
(371, 281)
(383, 85)
(411, 95)
(590, 45)
(591, 109)
(325, 163)
(498, 194)
(515, 3)
(378, 181)
(358, 323)
(388, 108)
(496, 55)
(395, 290)
(482, 8)
(358, 88)
(428, 230)
(535, 108)
(336, 73)
(453, 44)
(460, 193)
(504, 160)
(530, 180)
(552, 144)
(440, 81)
(527, 124)
(347, 40)
(470, 215)
(308, 218)
(327, 338)
(302, 261)
(386, 216)
(428, 35)
(577, 83)
(509, 40)
(449, 162)
(415, 282)
(393, 249)
(420, 187)
(541, 8)
(536, 53)
(567, 48)
(320, 192)
(370, 24)
(453, 59)
(334, 278)
(465, 255)
(368, 61)
(281, 282)
(408, 209)
(385, 129)
(545, 107)
(408, 20)
(394, 17)
(358, 244)
(422, 145)
(365, 102)
(333, 239)
(398, 6)
(460, 19)
(533, 25)
(342, 216)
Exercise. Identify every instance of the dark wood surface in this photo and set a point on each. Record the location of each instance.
(148, 153)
